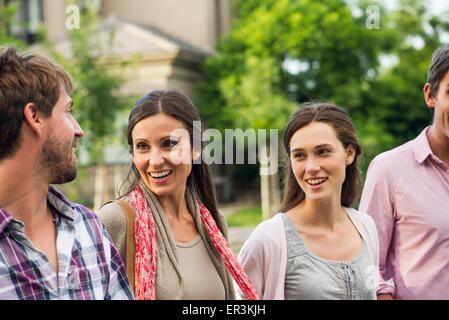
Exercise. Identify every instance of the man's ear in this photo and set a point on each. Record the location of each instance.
(33, 118)
(428, 96)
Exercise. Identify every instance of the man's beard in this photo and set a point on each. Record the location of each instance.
(56, 158)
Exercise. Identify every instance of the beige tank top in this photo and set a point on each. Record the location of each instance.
(201, 279)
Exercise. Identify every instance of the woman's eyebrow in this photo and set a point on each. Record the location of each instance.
(316, 147)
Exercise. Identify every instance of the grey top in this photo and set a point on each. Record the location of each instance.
(309, 277)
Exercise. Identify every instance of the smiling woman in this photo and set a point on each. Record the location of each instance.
(163, 159)
(317, 247)
(179, 241)
(331, 131)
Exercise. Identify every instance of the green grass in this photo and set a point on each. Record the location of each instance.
(245, 217)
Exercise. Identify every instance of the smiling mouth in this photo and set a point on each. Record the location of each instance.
(160, 174)
(315, 181)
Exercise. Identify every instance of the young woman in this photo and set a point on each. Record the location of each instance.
(318, 247)
(180, 250)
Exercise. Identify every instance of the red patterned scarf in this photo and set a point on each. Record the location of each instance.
(146, 249)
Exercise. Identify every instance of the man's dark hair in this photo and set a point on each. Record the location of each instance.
(439, 65)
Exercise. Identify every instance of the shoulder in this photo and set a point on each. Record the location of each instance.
(113, 217)
(87, 214)
(394, 157)
(111, 211)
(88, 223)
(389, 165)
(272, 223)
(268, 231)
(363, 221)
(360, 216)
(264, 257)
(367, 228)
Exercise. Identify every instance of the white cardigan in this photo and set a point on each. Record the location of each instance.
(264, 254)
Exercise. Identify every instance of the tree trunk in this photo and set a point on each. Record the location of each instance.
(269, 186)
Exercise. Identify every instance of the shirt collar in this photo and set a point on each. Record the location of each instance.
(421, 147)
(58, 201)
(61, 204)
(5, 219)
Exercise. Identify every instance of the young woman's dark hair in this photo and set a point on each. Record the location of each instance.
(340, 121)
(176, 104)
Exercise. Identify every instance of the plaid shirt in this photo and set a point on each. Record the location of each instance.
(88, 262)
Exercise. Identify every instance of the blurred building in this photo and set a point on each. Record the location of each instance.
(171, 39)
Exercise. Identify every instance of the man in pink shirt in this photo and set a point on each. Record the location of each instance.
(407, 193)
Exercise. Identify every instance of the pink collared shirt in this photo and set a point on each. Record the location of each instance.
(407, 193)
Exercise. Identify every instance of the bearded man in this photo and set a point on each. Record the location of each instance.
(50, 248)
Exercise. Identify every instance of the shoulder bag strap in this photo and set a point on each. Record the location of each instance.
(130, 241)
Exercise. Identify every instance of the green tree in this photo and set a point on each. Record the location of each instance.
(395, 101)
(7, 20)
(331, 51)
(98, 76)
(281, 53)
(96, 96)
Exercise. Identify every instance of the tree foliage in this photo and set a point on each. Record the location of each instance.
(8, 19)
(99, 105)
(98, 76)
(281, 53)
